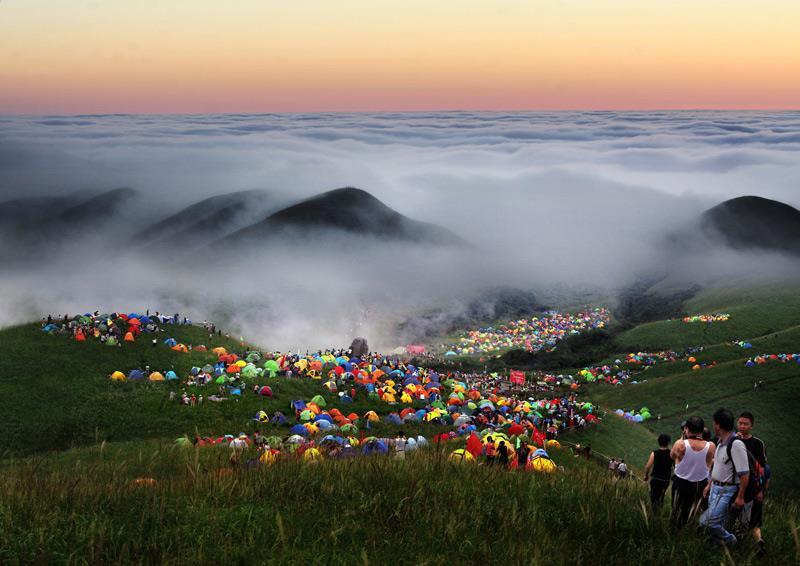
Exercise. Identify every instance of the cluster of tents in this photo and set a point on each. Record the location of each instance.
(620, 371)
(140, 375)
(533, 334)
(636, 417)
(766, 358)
(272, 449)
(708, 318)
(114, 328)
(537, 460)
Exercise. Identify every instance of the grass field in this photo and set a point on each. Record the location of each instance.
(82, 506)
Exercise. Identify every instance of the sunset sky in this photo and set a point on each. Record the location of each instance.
(170, 56)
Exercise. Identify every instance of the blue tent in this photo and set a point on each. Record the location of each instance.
(170, 342)
(393, 418)
(345, 399)
(171, 375)
(298, 405)
(278, 420)
(323, 417)
(136, 375)
(374, 447)
(299, 429)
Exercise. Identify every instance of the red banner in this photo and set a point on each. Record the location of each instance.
(415, 349)
(517, 377)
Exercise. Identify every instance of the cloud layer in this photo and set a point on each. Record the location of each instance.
(547, 199)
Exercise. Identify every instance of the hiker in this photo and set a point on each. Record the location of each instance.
(659, 471)
(622, 469)
(752, 514)
(693, 457)
(730, 475)
(612, 465)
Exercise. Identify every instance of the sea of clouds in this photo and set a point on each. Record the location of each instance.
(546, 198)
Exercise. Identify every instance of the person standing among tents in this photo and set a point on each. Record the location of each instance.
(400, 446)
(693, 457)
(522, 456)
(502, 454)
(659, 471)
(490, 451)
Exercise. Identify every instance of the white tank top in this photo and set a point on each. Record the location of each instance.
(693, 466)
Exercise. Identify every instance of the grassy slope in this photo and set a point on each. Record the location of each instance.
(55, 394)
(83, 505)
(769, 319)
(753, 313)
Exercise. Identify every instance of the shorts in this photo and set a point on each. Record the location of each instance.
(752, 514)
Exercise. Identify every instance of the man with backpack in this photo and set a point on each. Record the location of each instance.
(730, 476)
(753, 510)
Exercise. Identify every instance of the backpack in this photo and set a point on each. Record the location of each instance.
(757, 476)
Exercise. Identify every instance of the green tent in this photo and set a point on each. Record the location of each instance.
(319, 400)
(111, 341)
(249, 371)
(271, 366)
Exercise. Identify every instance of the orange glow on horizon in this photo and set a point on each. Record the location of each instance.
(58, 56)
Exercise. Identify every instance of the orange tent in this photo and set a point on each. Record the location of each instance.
(129, 337)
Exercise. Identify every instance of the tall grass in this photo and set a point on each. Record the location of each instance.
(84, 507)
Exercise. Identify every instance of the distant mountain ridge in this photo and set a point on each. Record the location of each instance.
(205, 221)
(348, 211)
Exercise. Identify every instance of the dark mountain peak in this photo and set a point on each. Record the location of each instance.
(751, 205)
(206, 220)
(346, 210)
(752, 222)
(332, 206)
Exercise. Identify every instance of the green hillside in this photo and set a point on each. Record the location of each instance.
(769, 319)
(68, 424)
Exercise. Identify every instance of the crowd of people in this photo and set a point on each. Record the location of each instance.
(720, 483)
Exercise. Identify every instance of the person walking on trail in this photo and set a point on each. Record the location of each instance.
(622, 469)
(400, 446)
(659, 471)
(752, 514)
(729, 477)
(693, 457)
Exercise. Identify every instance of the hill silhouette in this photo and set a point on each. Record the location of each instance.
(206, 220)
(348, 211)
(44, 224)
(752, 222)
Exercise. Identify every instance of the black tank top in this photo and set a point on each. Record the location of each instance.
(662, 465)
